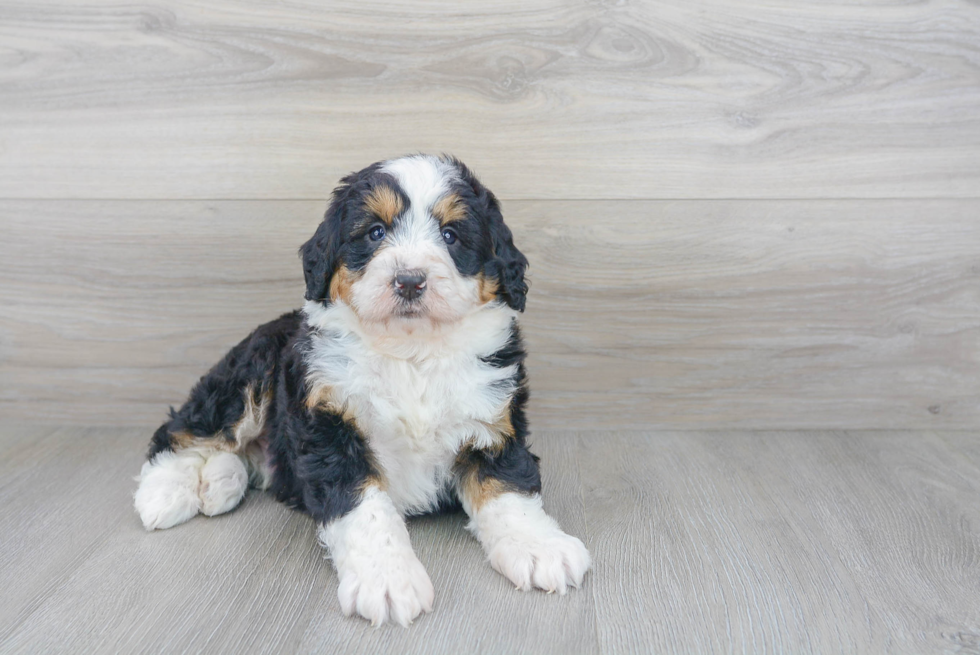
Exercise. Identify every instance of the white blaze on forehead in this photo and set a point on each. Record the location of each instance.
(423, 178)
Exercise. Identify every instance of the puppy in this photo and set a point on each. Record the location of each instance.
(398, 389)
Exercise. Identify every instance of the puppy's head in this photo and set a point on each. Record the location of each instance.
(413, 240)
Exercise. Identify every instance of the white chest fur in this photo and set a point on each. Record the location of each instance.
(418, 399)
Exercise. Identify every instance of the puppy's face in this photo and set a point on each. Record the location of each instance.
(413, 241)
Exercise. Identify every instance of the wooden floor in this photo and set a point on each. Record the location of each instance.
(747, 542)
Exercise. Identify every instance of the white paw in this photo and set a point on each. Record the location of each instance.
(553, 563)
(380, 577)
(527, 546)
(224, 481)
(167, 493)
(393, 587)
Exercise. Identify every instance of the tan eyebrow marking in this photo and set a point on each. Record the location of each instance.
(449, 209)
(384, 203)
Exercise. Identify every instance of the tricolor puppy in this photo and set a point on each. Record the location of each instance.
(398, 389)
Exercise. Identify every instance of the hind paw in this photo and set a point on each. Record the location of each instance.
(224, 481)
(167, 494)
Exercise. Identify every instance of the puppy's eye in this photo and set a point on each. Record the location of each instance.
(449, 236)
(377, 233)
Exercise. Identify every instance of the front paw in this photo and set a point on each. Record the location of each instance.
(552, 562)
(394, 586)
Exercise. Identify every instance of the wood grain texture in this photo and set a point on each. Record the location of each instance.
(784, 542)
(252, 581)
(684, 314)
(553, 99)
(735, 542)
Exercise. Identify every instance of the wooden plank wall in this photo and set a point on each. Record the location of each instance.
(754, 214)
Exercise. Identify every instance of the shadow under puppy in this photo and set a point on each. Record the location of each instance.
(398, 389)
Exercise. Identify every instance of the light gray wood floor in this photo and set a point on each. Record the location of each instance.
(754, 542)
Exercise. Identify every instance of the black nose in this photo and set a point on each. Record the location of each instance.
(410, 284)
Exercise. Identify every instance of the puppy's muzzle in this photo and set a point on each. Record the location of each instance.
(410, 285)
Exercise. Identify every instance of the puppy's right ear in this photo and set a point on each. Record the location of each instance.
(321, 254)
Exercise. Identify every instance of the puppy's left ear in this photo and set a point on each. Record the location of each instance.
(508, 264)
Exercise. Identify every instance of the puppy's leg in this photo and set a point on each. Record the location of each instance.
(343, 489)
(380, 576)
(501, 494)
(527, 546)
(175, 485)
(196, 463)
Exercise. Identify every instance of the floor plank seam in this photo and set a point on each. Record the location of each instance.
(587, 534)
